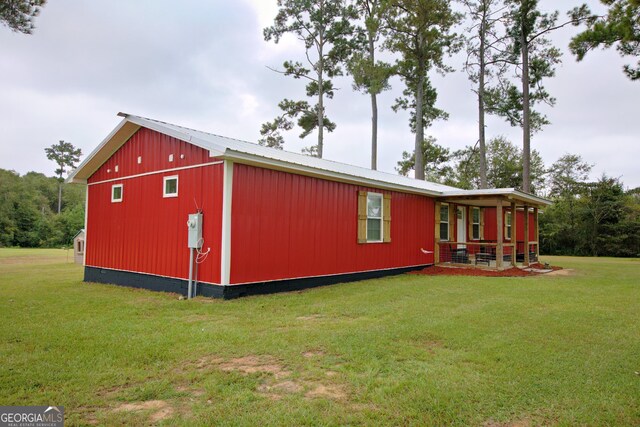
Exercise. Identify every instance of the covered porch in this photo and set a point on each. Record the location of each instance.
(487, 228)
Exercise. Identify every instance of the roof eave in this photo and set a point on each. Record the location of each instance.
(118, 136)
(508, 193)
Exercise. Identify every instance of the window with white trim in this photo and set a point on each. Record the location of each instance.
(475, 223)
(507, 226)
(116, 193)
(444, 221)
(374, 217)
(170, 186)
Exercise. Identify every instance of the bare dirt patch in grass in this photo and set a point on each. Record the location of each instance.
(113, 390)
(160, 410)
(432, 346)
(313, 353)
(254, 364)
(519, 423)
(331, 391)
(311, 389)
(287, 386)
(563, 272)
(191, 391)
(310, 317)
(205, 362)
(279, 384)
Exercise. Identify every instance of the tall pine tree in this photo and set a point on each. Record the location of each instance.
(370, 75)
(324, 27)
(420, 31)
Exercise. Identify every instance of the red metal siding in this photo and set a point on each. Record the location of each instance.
(154, 148)
(290, 226)
(491, 227)
(146, 232)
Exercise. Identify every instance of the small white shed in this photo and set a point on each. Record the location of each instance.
(78, 247)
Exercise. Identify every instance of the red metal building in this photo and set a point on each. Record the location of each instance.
(272, 220)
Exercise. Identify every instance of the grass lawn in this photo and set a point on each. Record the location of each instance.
(408, 350)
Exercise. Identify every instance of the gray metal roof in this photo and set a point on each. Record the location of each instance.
(251, 153)
(226, 147)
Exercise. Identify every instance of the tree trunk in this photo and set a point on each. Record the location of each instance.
(419, 155)
(320, 91)
(374, 132)
(59, 197)
(481, 127)
(374, 113)
(526, 112)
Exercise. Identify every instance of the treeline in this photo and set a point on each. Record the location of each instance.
(591, 218)
(595, 219)
(28, 206)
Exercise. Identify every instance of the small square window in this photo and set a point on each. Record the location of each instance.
(170, 186)
(171, 157)
(139, 159)
(116, 193)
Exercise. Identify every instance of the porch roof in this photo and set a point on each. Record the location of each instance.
(491, 197)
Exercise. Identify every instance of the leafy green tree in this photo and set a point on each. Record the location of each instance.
(568, 175)
(600, 219)
(370, 76)
(560, 225)
(66, 157)
(620, 27)
(504, 166)
(486, 45)
(9, 196)
(420, 32)
(603, 218)
(325, 29)
(437, 167)
(27, 204)
(18, 15)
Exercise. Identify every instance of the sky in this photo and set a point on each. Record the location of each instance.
(204, 65)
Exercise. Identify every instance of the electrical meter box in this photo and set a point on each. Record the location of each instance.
(194, 225)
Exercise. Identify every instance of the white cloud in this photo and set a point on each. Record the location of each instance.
(204, 66)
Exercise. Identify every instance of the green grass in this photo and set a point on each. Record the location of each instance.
(408, 350)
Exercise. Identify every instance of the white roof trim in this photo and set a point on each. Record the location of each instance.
(83, 164)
